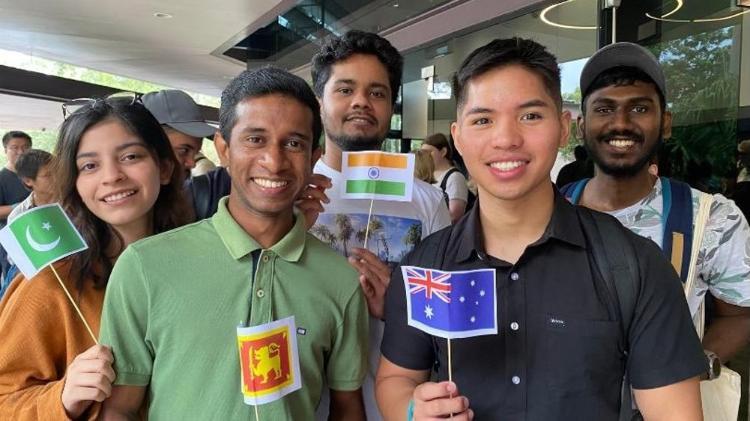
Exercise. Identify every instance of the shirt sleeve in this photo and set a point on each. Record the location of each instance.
(125, 318)
(456, 187)
(403, 345)
(32, 354)
(724, 260)
(347, 365)
(664, 347)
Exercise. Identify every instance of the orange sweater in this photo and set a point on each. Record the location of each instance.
(40, 335)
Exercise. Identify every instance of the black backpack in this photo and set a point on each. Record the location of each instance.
(470, 198)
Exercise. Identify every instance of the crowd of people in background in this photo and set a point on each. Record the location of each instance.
(180, 250)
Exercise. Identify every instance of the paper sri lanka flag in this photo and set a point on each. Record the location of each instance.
(378, 175)
(457, 304)
(39, 237)
(269, 361)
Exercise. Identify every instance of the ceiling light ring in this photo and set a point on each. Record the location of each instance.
(543, 17)
(680, 3)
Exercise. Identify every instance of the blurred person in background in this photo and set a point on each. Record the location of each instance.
(447, 176)
(182, 121)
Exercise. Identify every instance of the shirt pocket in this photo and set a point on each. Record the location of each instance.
(581, 355)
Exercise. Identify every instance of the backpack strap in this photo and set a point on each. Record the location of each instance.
(615, 261)
(677, 222)
(616, 264)
(444, 181)
(572, 191)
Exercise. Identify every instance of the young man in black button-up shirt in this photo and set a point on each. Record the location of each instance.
(560, 352)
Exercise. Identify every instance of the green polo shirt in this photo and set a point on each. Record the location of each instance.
(174, 302)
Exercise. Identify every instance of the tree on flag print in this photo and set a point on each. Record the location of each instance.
(39, 237)
(457, 304)
(378, 175)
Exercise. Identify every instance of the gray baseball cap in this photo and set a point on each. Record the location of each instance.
(622, 54)
(177, 110)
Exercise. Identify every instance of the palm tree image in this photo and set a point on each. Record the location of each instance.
(344, 224)
(374, 228)
(413, 235)
(324, 234)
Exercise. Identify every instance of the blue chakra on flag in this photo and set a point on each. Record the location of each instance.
(457, 304)
(374, 173)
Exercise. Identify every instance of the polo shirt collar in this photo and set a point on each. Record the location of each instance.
(239, 243)
(563, 225)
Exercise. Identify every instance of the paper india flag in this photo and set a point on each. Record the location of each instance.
(378, 175)
(40, 236)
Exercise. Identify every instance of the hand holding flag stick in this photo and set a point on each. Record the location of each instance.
(451, 304)
(39, 237)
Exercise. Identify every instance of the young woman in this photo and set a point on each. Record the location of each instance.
(447, 177)
(115, 176)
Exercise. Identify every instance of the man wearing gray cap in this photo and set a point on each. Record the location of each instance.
(623, 122)
(183, 122)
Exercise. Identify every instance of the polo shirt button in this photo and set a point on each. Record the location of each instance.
(265, 258)
(514, 276)
(514, 326)
(260, 293)
(515, 380)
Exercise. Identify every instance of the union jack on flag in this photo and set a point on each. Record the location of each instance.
(422, 280)
(455, 304)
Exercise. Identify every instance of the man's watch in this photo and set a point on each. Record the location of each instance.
(714, 365)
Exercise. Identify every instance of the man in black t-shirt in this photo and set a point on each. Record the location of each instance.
(562, 347)
(12, 189)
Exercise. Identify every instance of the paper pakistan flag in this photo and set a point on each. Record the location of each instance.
(40, 236)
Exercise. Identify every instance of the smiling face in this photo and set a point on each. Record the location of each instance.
(623, 127)
(508, 132)
(269, 155)
(356, 105)
(118, 177)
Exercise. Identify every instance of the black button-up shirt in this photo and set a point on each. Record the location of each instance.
(558, 354)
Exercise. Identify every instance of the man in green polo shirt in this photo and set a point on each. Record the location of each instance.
(174, 300)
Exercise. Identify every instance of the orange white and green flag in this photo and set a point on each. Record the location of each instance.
(269, 362)
(378, 175)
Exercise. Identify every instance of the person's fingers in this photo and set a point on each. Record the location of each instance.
(361, 267)
(320, 180)
(442, 407)
(309, 205)
(440, 400)
(95, 380)
(89, 394)
(101, 367)
(315, 194)
(96, 352)
(378, 267)
(430, 390)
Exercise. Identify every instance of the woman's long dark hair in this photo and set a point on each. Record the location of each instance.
(170, 209)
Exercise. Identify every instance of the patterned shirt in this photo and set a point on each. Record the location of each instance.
(724, 258)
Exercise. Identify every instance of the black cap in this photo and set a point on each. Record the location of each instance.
(177, 110)
(622, 54)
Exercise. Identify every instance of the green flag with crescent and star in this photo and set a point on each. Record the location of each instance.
(39, 237)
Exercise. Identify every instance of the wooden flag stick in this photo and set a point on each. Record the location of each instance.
(367, 228)
(450, 368)
(75, 306)
(257, 417)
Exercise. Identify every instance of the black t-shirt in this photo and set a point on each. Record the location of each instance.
(559, 353)
(12, 190)
(204, 191)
